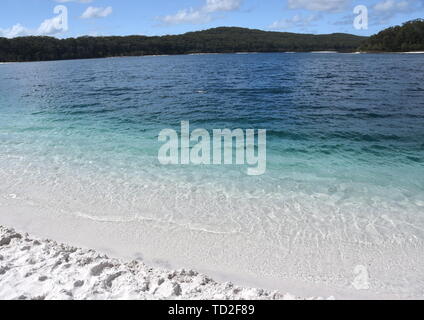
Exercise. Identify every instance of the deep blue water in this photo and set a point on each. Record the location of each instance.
(323, 112)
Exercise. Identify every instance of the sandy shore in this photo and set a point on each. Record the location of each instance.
(43, 269)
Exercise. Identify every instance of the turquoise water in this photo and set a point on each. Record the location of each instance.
(345, 150)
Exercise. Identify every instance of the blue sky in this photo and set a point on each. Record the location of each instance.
(159, 17)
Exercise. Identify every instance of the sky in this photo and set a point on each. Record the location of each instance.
(74, 18)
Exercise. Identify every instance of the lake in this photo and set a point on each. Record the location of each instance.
(344, 185)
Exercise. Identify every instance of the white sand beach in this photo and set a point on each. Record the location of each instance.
(46, 270)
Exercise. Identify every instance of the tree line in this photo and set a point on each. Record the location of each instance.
(217, 40)
(408, 37)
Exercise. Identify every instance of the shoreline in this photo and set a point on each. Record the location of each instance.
(110, 240)
(35, 269)
(222, 53)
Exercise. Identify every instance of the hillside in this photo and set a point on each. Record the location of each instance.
(218, 40)
(408, 37)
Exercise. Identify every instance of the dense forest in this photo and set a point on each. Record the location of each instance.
(218, 40)
(408, 37)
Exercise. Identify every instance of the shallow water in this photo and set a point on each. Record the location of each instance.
(344, 184)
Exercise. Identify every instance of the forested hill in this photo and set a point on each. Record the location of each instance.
(218, 40)
(408, 37)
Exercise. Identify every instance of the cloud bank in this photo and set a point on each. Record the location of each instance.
(203, 14)
(96, 12)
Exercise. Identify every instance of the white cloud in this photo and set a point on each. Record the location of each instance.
(97, 12)
(53, 26)
(384, 10)
(49, 27)
(391, 5)
(297, 21)
(17, 30)
(203, 14)
(222, 5)
(318, 5)
(187, 16)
